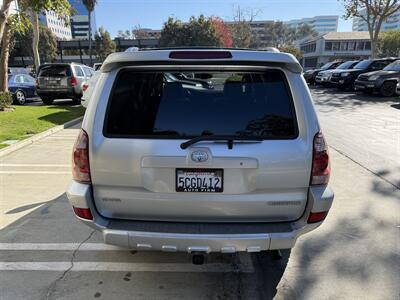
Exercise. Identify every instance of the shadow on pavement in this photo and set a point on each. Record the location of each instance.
(54, 222)
(331, 97)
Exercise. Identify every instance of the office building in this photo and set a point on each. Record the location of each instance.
(80, 21)
(321, 24)
(59, 27)
(391, 23)
(335, 46)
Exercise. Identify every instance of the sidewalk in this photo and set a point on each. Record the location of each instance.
(35, 174)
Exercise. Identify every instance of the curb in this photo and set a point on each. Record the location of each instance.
(37, 137)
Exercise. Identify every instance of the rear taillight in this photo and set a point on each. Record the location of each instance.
(316, 217)
(320, 164)
(74, 82)
(37, 83)
(80, 159)
(83, 213)
(85, 87)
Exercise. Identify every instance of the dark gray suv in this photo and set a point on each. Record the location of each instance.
(62, 81)
(383, 81)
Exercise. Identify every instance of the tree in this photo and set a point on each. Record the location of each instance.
(292, 50)
(305, 30)
(389, 43)
(15, 23)
(90, 5)
(241, 33)
(197, 32)
(373, 12)
(104, 44)
(21, 44)
(223, 32)
(4, 11)
(62, 8)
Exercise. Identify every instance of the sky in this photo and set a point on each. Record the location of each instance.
(117, 15)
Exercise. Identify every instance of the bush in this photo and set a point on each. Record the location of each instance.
(6, 100)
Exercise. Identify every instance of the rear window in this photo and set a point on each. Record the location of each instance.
(191, 104)
(55, 71)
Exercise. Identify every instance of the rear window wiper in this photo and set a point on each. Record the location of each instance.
(229, 138)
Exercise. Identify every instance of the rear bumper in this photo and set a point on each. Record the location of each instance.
(200, 237)
(58, 93)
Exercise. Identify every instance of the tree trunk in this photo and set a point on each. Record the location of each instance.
(35, 40)
(90, 38)
(4, 11)
(373, 49)
(5, 52)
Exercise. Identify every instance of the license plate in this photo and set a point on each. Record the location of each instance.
(359, 87)
(200, 180)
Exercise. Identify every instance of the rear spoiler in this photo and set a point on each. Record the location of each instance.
(201, 57)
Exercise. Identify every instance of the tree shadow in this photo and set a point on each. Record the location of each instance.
(333, 99)
(68, 113)
(253, 276)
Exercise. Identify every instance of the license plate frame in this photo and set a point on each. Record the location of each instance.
(218, 173)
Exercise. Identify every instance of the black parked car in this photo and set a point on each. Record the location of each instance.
(344, 79)
(383, 81)
(310, 75)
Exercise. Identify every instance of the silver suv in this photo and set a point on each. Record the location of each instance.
(178, 166)
(62, 81)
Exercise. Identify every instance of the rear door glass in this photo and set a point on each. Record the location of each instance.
(78, 71)
(55, 71)
(168, 105)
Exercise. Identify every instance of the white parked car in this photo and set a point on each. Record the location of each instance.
(240, 167)
(88, 88)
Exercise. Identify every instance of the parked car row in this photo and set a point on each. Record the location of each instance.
(54, 81)
(369, 76)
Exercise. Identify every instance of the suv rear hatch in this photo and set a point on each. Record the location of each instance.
(54, 77)
(256, 170)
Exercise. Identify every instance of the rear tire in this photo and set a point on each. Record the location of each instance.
(19, 97)
(76, 101)
(388, 89)
(47, 101)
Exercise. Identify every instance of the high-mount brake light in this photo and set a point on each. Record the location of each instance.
(200, 54)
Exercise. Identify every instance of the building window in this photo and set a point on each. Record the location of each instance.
(360, 46)
(343, 46)
(367, 46)
(328, 46)
(351, 46)
(336, 46)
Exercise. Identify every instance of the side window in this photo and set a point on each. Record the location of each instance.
(78, 71)
(379, 65)
(28, 79)
(19, 79)
(87, 72)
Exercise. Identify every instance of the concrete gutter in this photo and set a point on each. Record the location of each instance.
(37, 137)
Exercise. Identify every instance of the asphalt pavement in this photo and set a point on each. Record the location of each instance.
(46, 253)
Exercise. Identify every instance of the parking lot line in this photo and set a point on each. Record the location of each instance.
(35, 172)
(59, 247)
(36, 165)
(125, 267)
